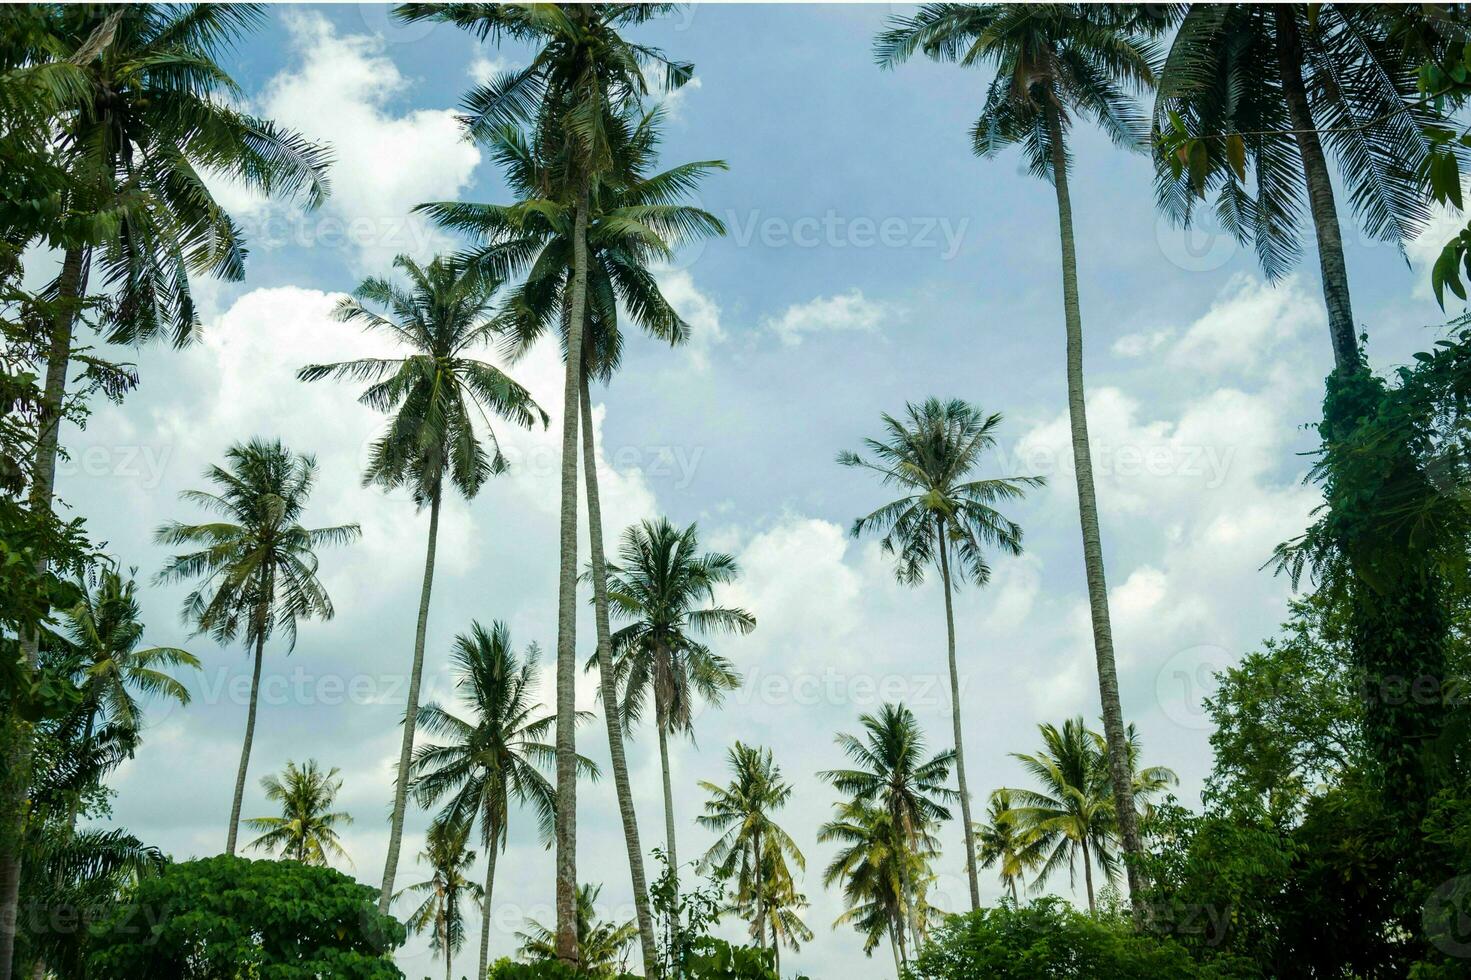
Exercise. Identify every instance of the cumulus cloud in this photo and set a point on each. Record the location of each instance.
(840, 313)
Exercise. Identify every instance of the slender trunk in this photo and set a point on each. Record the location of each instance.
(411, 712)
(1331, 265)
(970, 830)
(1108, 679)
(260, 645)
(775, 949)
(668, 802)
(1015, 898)
(15, 783)
(760, 897)
(490, 849)
(906, 886)
(449, 962)
(1088, 878)
(607, 684)
(894, 948)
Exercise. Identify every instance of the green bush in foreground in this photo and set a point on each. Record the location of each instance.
(1049, 939)
(224, 918)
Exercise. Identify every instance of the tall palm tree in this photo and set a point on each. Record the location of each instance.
(104, 629)
(602, 946)
(1071, 817)
(660, 585)
(144, 107)
(581, 81)
(306, 830)
(1005, 845)
(1055, 63)
(433, 394)
(632, 223)
(893, 775)
(877, 871)
(493, 758)
(256, 565)
(441, 913)
(930, 456)
(752, 848)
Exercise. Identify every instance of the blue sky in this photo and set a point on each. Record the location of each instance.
(872, 260)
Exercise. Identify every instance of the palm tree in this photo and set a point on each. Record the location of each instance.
(752, 849)
(104, 629)
(433, 394)
(444, 890)
(1055, 63)
(877, 871)
(930, 456)
(582, 79)
(494, 758)
(143, 106)
(892, 775)
(1071, 816)
(632, 223)
(602, 946)
(783, 905)
(306, 830)
(659, 585)
(1006, 846)
(256, 565)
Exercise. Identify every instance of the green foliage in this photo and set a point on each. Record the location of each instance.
(1050, 939)
(228, 917)
(505, 969)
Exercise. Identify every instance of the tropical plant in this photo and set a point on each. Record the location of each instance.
(1003, 844)
(433, 393)
(306, 830)
(581, 82)
(1055, 63)
(256, 565)
(660, 585)
(892, 776)
(441, 913)
(633, 223)
(1070, 818)
(781, 907)
(753, 849)
(602, 946)
(930, 457)
(493, 758)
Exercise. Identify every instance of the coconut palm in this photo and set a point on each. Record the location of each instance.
(882, 876)
(493, 758)
(583, 78)
(136, 105)
(104, 629)
(782, 905)
(660, 585)
(441, 913)
(632, 224)
(893, 775)
(602, 946)
(930, 456)
(306, 830)
(753, 849)
(1005, 845)
(433, 394)
(1055, 64)
(1071, 816)
(256, 565)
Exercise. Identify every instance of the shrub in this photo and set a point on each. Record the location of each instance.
(227, 917)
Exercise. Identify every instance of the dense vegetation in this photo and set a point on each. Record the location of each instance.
(1342, 772)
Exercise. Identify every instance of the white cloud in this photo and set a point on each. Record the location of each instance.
(483, 69)
(844, 312)
(1246, 325)
(699, 309)
(1139, 344)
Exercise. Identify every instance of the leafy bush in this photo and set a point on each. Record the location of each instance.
(706, 958)
(505, 969)
(228, 917)
(1050, 939)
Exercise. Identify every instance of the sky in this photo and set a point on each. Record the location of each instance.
(871, 260)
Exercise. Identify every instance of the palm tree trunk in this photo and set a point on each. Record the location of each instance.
(894, 948)
(490, 850)
(1331, 264)
(1015, 898)
(609, 690)
(411, 712)
(760, 896)
(1108, 678)
(71, 285)
(260, 645)
(566, 945)
(668, 803)
(775, 949)
(1088, 878)
(970, 831)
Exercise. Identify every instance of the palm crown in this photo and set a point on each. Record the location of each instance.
(446, 888)
(436, 391)
(306, 830)
(891, 771)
